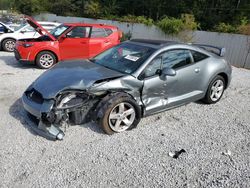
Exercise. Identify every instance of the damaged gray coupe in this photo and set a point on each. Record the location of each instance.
(118, 87)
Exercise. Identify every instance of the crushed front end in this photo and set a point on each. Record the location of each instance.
(54, 115)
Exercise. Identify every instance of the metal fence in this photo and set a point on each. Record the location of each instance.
(237, 46)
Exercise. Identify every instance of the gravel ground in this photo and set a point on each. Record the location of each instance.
(216, 139)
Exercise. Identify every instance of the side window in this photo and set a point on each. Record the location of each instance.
(29, 29)
(79, 32)
(98, 32)
(198, 56)
(2, 28)
(108, 31)
(176, 58)
(152, 68)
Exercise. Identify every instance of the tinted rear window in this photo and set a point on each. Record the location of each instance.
(98, 32)
(198, 56)
(108, 31)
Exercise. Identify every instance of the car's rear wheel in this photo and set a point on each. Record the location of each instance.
(215, 90)
(45, 59)
(120, 113)
(9, 45)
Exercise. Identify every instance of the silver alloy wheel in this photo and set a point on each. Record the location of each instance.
(10, 45)
(121, 117)
(217, 90)
(46, 60)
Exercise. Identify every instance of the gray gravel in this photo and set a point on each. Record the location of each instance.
(216, 139)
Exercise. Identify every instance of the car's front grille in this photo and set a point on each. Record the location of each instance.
(35, 96)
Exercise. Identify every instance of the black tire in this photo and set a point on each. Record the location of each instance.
(42, 57)
(109, 103)
(208, 99)
(9, 45)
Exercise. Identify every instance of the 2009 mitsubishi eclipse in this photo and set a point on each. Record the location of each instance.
(65, 42)
(118, 87)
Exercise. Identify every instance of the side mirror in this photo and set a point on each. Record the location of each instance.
(23, 31)
(168, 72)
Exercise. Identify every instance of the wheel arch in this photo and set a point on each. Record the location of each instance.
(6, 39)
(107, 97)
(224, 75)
(47, 50)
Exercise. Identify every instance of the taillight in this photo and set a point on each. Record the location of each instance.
(119, 34)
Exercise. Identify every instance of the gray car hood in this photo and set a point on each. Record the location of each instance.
(80, 74)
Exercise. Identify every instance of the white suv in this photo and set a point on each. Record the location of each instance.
(8, 40)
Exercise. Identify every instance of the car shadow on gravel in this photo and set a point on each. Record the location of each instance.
(17, 111)
(11, 61)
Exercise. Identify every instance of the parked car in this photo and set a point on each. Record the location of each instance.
(5, 28)
(125, 83)
(8, 40)
(67, 41)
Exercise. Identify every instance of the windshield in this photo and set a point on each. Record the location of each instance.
(20, 26)
(125, 58)
(59, 30)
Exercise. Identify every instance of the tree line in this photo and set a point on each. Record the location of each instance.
(227, 15)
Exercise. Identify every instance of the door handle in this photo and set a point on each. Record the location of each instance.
(197, 70)
(83, 42)
(107, 41)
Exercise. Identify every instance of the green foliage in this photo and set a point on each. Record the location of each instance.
(136, 19)
(28, 7)
(174, 26)
(210, 14)
(225, 28)
(171, 26)
(189, 22)
(244, 29)
(93, 8)
(144, 20)
(111, 7)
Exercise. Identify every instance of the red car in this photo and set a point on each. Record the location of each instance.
(67, 41)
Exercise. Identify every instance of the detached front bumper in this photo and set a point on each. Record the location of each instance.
(49, 131)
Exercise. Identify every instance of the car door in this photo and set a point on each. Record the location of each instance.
(154, 95)
(163, 92)
(186, 85)
(99, 41)
(75, 44)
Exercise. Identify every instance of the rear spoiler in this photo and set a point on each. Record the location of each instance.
(214, 49)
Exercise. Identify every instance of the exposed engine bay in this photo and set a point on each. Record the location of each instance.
(39, 39)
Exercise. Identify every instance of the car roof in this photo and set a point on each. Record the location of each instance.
(90, 24)
(48, 23)
(157, 44)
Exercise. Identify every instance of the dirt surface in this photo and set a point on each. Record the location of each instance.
(216, 139)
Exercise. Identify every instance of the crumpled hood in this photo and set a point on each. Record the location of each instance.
(79, 74)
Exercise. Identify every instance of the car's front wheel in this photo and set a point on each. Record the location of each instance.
(9, 45)
(45, 59)
(215, 90)
(120, 113)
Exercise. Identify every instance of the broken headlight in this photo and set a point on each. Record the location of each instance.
(71, 99)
